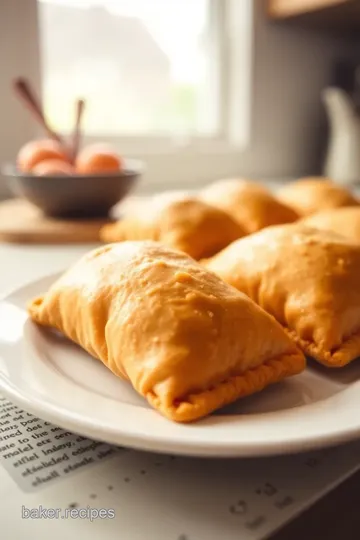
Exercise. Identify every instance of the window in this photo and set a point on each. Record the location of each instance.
(143, 66)
(166, 81)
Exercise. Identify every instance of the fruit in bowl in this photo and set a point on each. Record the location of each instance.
(45, 156)
(63, 179)
(98, 158)
(50, 167)
(54, 188)
(35, 152)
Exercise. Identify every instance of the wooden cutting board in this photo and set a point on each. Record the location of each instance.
(20, 222)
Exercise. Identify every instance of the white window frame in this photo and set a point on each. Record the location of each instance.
(230, 56)
(170, 162)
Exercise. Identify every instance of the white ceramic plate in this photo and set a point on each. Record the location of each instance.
(54, 379)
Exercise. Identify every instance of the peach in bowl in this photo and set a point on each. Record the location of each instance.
(88, 186)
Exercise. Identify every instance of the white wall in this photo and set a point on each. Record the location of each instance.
(290, 67)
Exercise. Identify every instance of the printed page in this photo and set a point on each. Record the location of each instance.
(51, 477)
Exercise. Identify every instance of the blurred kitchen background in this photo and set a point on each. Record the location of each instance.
(198, 89)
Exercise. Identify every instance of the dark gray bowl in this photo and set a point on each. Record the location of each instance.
(77, 196)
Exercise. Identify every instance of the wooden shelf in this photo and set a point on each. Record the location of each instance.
(333, 13)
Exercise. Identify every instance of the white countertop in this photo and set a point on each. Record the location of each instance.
(20, 264)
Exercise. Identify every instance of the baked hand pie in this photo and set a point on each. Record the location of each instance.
(188, 342)
(179, 221)
(309, 280)
(251, 204)
(344, 221)
(309, 195)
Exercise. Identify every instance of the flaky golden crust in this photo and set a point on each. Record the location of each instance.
(308, 280)
(309, 195)
(251, 204)
(188, 342)
(344, 221)
(183, 223)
